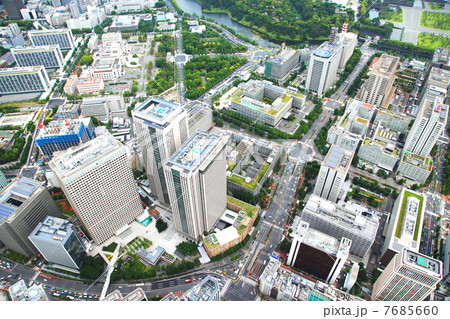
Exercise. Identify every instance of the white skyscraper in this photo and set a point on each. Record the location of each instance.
(161, 128)
(332, 173)
(410, 276)
(428, 126)
(97, 180)
(196, 180)
(323, 67)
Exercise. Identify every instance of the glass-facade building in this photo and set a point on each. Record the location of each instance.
(58, 242)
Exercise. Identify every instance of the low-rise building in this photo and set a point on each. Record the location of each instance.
(125, 22)
(105, 108)
(71, 84)
(135, 295)
(90, 85)
(232, 228)
(107, 69)
(395, 121)
(415, 167)
(20, 292)
(67, 111)
(441, 58)
(150, 259)
(264, 102)
(207, 290)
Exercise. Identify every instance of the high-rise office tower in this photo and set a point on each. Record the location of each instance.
(323, 67)
(48, 56)
(59, 242)
(317, 253)
(280, 65)
(196, 179)
(332, 173)
(410, 276)
(23, 204)
(428, 126)
(24, 80)
(12, 8)
(378, 89)
(161, 128)
(63, 37)
(97, 180)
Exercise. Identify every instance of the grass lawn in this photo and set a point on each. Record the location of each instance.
(392, 15)
(248, 209)
(431, 41)
(111, 247)
(401, 218)
(262, 171)
(435, 20)
(436, 6)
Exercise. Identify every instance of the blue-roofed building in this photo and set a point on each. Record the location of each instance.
(23, 204)
(196, 180)
(62, 134)
(161, 128)
(59, 243)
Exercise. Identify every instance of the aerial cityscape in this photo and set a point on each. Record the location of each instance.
(226, 150)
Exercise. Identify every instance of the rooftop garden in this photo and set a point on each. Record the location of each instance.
(401, 218)
(248, 209)
(241, 229)
(231, 165)
(241, 181)
(262, 171)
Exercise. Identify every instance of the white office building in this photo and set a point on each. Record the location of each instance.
(48, 56)
(122, 6)
(29, 79)
(197, 185)
(332, 173)
(410, 276)
(378, 89)
(323, 67)
(348, 40)
(280, 65)
(63, 37)
(97, 180)
(428, 126)
(161, 128)
(59, 242)
(351, 127)
(398, 122)
(354, 222)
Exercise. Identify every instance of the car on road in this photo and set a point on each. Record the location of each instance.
(188, 280)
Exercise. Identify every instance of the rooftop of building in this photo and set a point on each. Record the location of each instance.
(392, 114)
(21, 70)
(327, 50)
(39, 48)
(409, 217)
(321, 241)
(20, 292)
(425, 163)
(151, 257)
(14, 195)
(62, 127)
(422, 263)
(283, 56)
(439, 77)
(387, 148)
(155, 110)
(70, 80)
(434, 106)
(441, 55)
(89, 81)
(53, 229)
(357, 219)
(74, 158)
(136, 295)
(48, 31)
(338, 158)
(206, 290)
(194, 151)
(386, 65)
